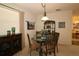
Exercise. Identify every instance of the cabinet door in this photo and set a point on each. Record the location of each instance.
(4, 48)
(15, 44)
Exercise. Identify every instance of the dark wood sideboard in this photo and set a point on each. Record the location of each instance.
(10, 44)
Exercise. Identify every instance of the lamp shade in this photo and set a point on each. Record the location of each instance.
(44, 18)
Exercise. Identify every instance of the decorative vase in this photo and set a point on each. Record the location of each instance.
(8, 32)
(13, 30)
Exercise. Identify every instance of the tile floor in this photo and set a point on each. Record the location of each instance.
(64, 50)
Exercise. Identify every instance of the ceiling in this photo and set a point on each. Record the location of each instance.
(50, 7)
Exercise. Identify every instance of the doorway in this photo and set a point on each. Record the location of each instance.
(75, 30)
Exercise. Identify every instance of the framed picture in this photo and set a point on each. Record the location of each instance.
(30, 25)
(61, 24)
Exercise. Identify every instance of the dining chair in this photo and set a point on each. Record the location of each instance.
(33, 46)
(56, 38)
(51, 44)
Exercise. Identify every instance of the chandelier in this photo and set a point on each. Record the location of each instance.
(44, 18)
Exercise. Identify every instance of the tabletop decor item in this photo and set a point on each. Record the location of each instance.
(13, 30)
(8, 32)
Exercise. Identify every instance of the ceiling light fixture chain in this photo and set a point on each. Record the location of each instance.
(44, 7)
(44, 18)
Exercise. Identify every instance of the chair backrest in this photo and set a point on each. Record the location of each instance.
(29, 40)
(53, 39)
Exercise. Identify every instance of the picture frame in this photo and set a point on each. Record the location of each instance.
(30, 25)
(61, 24)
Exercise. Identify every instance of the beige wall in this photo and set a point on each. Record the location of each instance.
(76, 13)
(62, 16)
(8, 19)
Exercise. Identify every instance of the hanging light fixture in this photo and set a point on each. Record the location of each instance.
(44, 18)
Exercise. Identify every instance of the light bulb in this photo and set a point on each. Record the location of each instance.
(44, 18)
